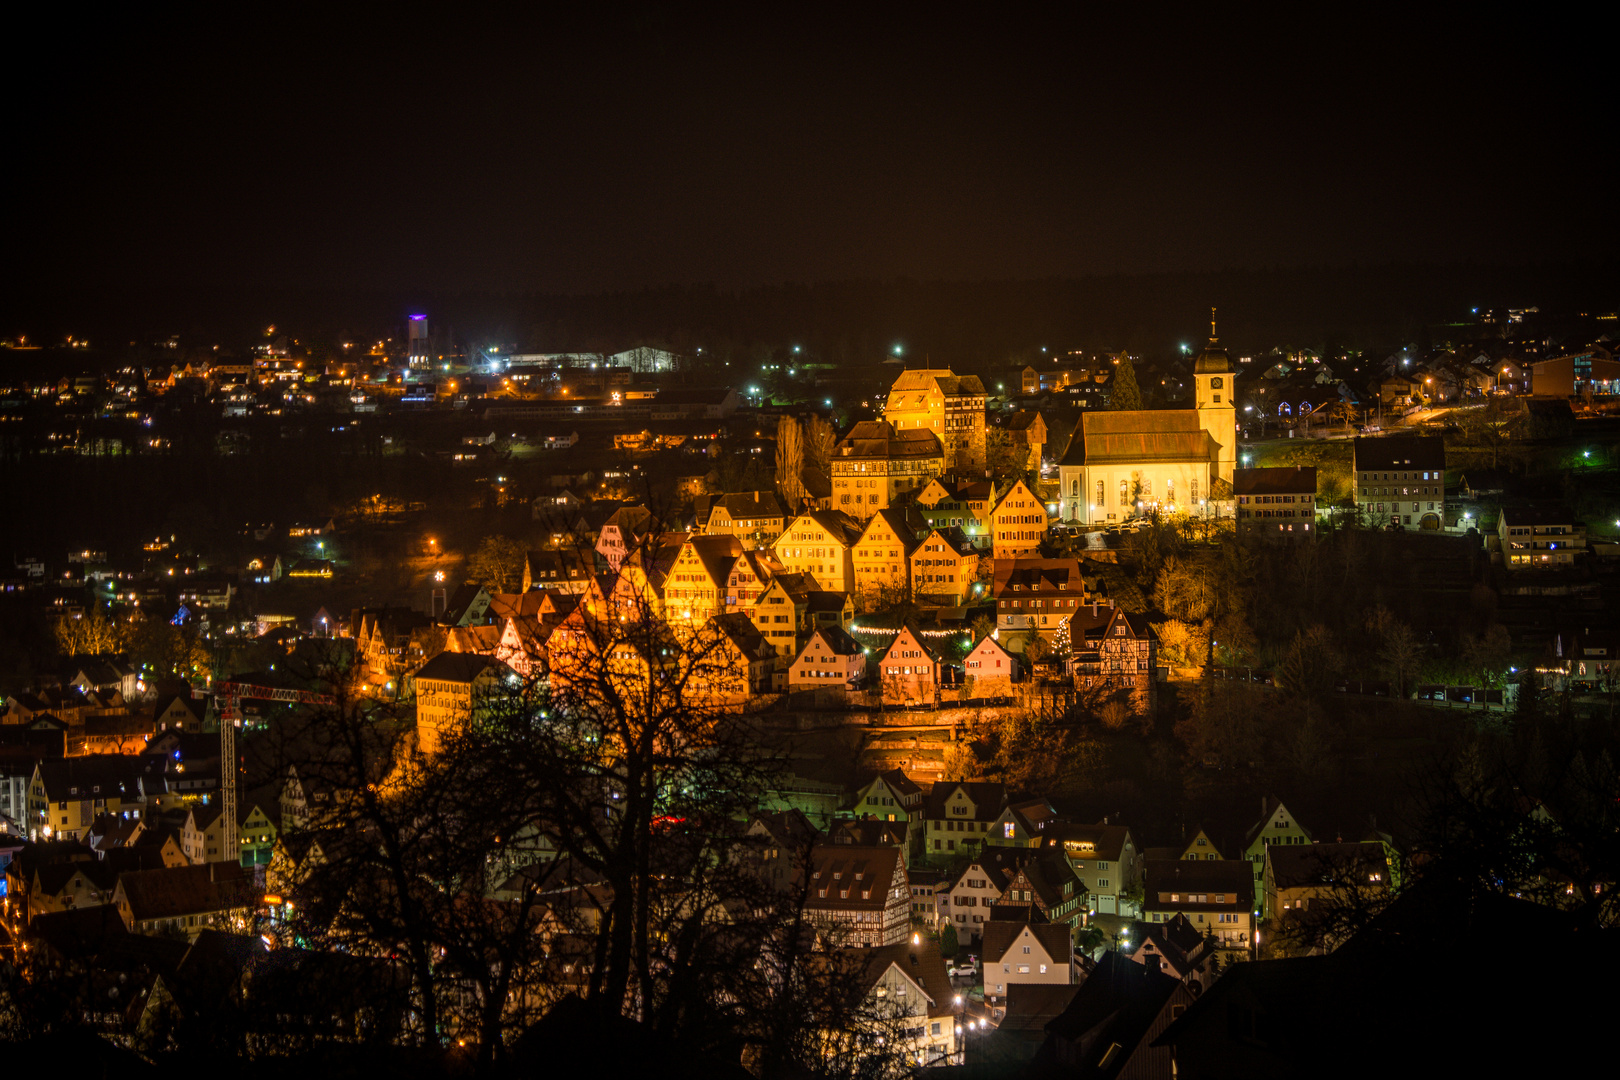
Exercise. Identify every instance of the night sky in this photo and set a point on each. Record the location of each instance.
(641, 145)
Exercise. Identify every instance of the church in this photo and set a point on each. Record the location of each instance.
(1128, 463)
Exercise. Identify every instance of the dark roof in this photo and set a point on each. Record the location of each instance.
(458, 667)
(838, 641)
(1000, 936)
(1285, 481)
(1294, 865)
(988, 798)
(186, 890)
(693, 395)
(1400, 452)
(1118, 1003)
(921, 963)
(1138, 435)
(864, 871)
(1538, 514)
(881, 439)
(1184, 876)
(751, 504)
(1108, 840)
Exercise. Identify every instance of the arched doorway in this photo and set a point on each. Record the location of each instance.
(1430, 521)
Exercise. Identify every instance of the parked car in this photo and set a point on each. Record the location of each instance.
(964, 969)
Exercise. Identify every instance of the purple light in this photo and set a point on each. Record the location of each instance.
(418, 318)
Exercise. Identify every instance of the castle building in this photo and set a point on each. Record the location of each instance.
(949, 405)
(1128, 463)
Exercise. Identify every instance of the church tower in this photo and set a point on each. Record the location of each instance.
(1216, 391)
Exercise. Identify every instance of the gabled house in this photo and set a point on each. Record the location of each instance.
(781, 845)
(1113, 648)
(910, 670)
(858, 896)
(622, 533)
(1275, 826)
(1024, 952)
(965, 504)
(736, 665)
(1018, 523)
(1027, 429)
(696, 587)
(1174, 948)
(958, 815)
(878, 461)
(781, 611)
(1048, 883)
(944, 568)
(187, 899)
(1217, 897)
(821, 542)
(1106, 858)
(967, 898)
(756, 518)
(890, 796)
(881, 557)
(830, 659)
(991, 669)
(905, 986)
(1022, 824)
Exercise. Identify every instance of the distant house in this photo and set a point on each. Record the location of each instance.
(1275, 501)
(963, 503)
(1300, 878)
(1174, 948)
(1276, 826)
(1027, 428)
(1024, 952)
(906, 983)
(910, 672)
(879, 461)
(821, 542)
(958, 814)
(447, 691)
(830, 659)
(1105, 857)
(566, 570)
(992, 668)
(1036, 595)
(188, 899)
(694, 403)
(1400, 481)
(781, 611)
(1217, 897)
(1113, 648)
(622, 533)
(1018, 523)
(756, 518)
(881, 557)
(859, 896)
(944, 567)
(1541, 536)
(1022, 824)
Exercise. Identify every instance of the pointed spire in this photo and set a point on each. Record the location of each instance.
(1212, 337)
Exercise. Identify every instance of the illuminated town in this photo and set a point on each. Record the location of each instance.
(1014, 669)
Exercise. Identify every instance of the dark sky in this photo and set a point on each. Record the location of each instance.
(642, 145)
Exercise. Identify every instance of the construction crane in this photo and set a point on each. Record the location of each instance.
(230, 695)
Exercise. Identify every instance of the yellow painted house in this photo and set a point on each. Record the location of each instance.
(1018, 523)
(695, 590)
(754, 517)
(821, 542)
(945, 568)
(881, 557)
(780, 611)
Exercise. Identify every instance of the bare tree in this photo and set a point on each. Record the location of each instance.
(790, 461)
